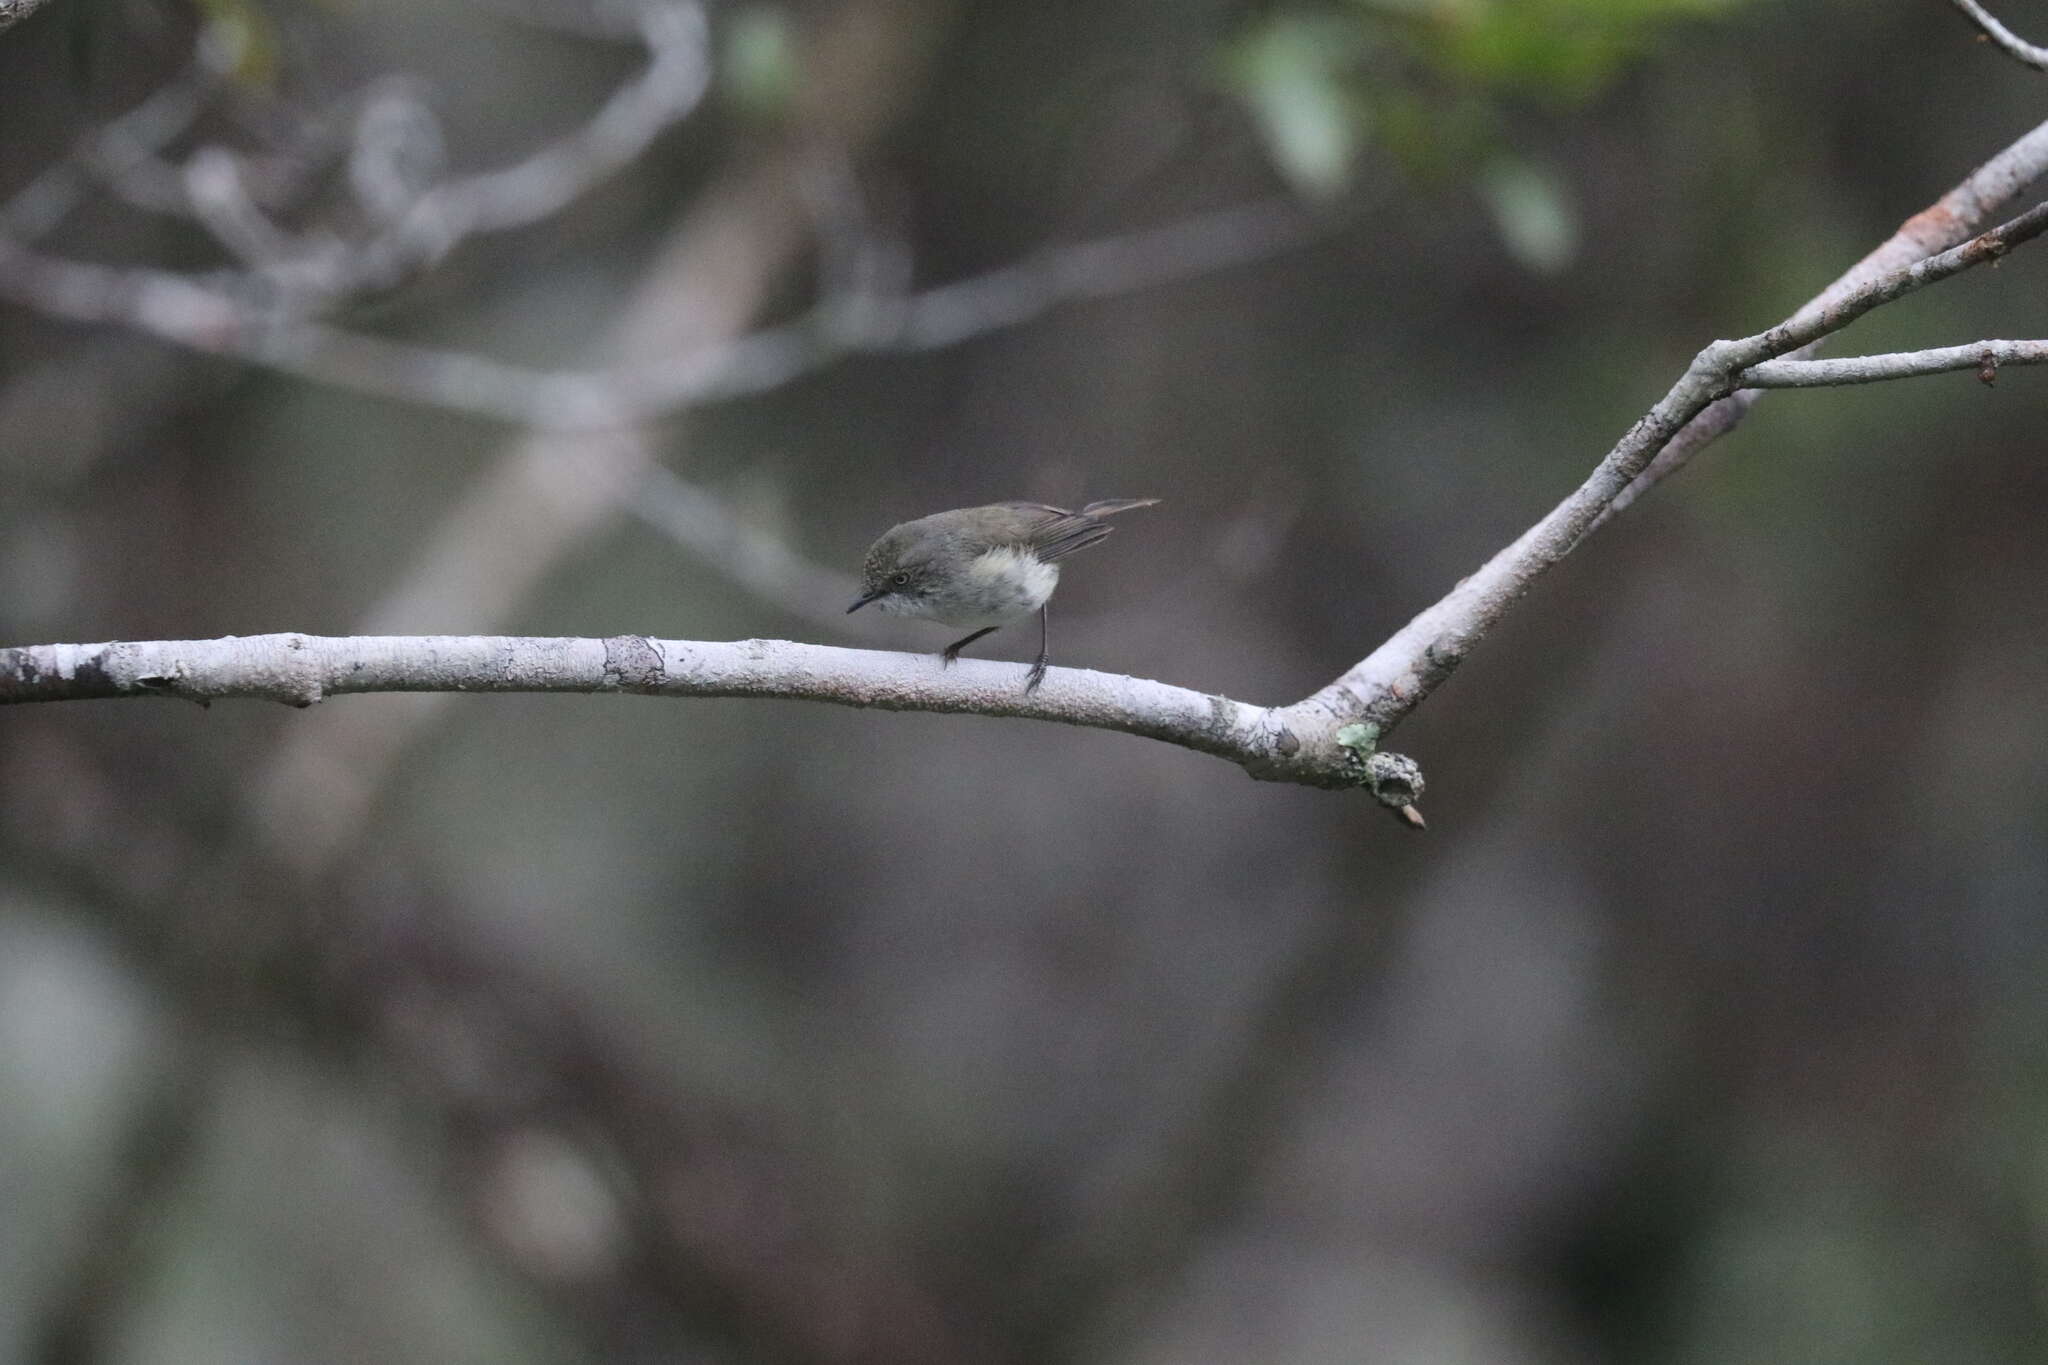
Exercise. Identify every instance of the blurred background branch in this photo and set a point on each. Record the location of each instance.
(659, 386)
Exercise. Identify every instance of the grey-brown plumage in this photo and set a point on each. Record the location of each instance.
(982, 567)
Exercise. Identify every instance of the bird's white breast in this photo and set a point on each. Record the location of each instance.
(999, 586)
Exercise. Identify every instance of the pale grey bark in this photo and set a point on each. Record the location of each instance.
(1384, 687)
(300, 670)
(1971, 206)
(1986, 357)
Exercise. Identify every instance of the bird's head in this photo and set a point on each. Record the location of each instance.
(898, 573)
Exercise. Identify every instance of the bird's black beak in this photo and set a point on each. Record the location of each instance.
(863, 600)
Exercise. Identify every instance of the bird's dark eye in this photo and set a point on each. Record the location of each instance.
(900, 579)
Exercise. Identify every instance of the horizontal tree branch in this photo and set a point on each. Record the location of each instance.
(1982, 356)
(1272, 743)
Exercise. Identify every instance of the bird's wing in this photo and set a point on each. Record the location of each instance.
(1056, 533)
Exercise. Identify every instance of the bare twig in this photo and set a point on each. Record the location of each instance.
(1964, 210)
(1871, 369)
(2015, 46)
(1811, 324)
(1396, 677)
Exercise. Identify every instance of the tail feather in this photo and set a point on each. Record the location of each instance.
(1063, 532)
(1103, 509)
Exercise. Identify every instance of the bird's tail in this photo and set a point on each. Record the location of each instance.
(1103, 509)
(1063, 532)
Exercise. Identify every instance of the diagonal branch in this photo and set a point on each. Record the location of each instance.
(1810, 325)
(1388, 684)
(1968, 208)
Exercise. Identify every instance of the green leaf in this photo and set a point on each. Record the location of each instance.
(758, 67)
(1533, 211)
(1290, 70)
(251, 38)
(1564, 49)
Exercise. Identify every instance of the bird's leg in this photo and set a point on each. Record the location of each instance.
(1037, 674)
(952, 651)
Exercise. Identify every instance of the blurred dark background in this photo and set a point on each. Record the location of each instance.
(1704, 1025)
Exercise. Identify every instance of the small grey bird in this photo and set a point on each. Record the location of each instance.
(982, 567)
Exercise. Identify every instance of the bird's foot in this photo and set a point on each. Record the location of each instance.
(952, 651)
(1036, 676)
